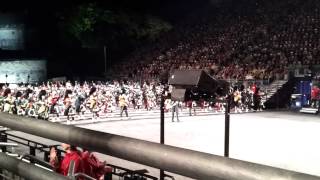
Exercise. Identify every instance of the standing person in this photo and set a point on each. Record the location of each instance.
(123, 104)
(139, 102)
(191, 106)
(175, 109)
(79, 101)
(315, 91)
(94, 105)
(53, 100)
(72, 154)
(237, 101)
(145, 101)
(257, 100)
(9, 103)
(67, 103)
(133, 100)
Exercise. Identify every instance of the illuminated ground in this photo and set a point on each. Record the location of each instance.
(281, 139)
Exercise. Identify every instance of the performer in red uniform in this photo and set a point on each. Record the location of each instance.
(254, 88)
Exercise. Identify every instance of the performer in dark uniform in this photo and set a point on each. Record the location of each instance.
(257, 100)
(175, 109)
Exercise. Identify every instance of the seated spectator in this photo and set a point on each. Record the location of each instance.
(72, 154)
(93, 166)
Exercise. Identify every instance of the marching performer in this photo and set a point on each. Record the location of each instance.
(237, 101)
(53, 100)
(123, 104)
(175, 109)
(94, 104)
(9, 103)
(67, 103)
(191, 106)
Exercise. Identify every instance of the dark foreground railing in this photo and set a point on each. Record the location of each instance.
(29, 171)
(41, 157)
(176, 160)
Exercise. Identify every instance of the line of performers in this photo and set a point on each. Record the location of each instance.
(40, 105)
(74, 101)
(242, 100)
(23, 104)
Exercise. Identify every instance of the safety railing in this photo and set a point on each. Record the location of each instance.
(116, 170)
(32, 145)
(185, 162)
(26, 170)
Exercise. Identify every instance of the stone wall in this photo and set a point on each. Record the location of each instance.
(11, 37)
(18, 71)
(12, 31)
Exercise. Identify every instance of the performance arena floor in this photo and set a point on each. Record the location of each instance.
(281, 139)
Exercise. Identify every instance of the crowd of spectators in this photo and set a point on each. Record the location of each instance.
(260, 45)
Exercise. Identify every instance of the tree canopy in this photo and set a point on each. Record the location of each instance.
(93, 25)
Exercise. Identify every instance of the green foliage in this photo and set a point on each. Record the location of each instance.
(155, 26)
(95, 26)
(83, 20)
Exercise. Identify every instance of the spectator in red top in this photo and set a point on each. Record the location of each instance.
(63, 166)
(315, 91)
(93, 166)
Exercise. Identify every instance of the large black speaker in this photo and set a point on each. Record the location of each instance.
(193, 79)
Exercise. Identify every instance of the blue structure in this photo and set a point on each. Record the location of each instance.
(302, 94)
